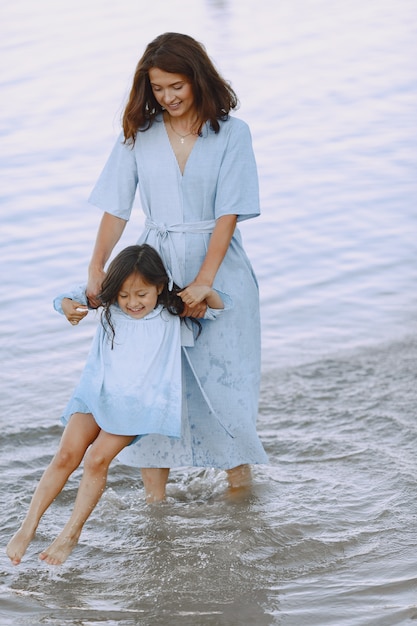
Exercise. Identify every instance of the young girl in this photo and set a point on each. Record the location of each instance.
(130, 386)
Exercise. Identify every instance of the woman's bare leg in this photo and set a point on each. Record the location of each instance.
(154, 481)
(80, 431)
(92, 485)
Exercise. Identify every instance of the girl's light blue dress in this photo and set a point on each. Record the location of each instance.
(134, 388)
(221, 371)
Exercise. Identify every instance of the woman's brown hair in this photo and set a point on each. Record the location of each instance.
(178, 54)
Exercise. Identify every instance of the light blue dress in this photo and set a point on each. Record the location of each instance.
(133, 387)
(221, 372)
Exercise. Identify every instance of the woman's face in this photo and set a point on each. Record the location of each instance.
(173, 92)
(137, 298)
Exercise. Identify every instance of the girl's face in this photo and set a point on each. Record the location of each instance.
(137, 298)
(172, 91)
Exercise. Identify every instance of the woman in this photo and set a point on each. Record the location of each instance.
(195, 170)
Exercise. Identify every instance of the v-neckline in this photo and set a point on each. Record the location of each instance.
(181, 171)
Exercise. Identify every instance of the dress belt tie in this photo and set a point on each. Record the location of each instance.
(163, 230)
(166, 247)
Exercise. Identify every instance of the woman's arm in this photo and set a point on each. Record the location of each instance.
(109, 233)
(216, 251)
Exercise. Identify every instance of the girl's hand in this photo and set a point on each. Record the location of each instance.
(197, 311)
(73, 311)
(95, 281)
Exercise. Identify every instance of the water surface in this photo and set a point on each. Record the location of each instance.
(328, 535)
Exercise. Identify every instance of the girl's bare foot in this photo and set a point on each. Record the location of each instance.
(59, 550)
(18, 544)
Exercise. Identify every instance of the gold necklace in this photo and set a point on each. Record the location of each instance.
(182, 137)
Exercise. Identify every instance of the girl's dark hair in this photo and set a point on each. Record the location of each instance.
(145, 261)
(179, 54)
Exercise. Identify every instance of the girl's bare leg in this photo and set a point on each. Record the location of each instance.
(92, 485)
(154, 481)
(80, 431)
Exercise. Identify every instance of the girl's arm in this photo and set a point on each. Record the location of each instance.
(216, 251)
(109, 233)
(73, 304)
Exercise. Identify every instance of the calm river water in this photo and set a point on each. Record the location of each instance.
(328, 537)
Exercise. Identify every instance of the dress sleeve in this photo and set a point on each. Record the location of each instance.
(213, 314)
(78, 294)
(115, 189)
(237, 186)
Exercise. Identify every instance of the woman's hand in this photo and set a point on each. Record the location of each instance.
(73, 310)
(194, 297)
(95, 281)
(194, 294)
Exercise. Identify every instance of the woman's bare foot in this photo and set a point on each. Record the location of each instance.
(240, 483)
(18, 544)
(59, 550)
(154, 481)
